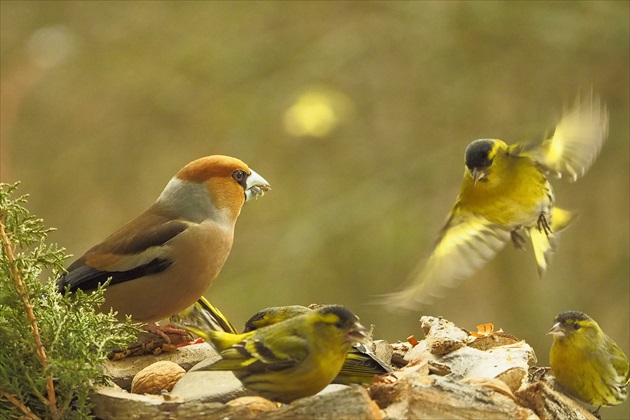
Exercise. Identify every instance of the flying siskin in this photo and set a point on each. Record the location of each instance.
(586, 362)
(505, 195)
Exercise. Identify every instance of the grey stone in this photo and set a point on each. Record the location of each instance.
(209, 386)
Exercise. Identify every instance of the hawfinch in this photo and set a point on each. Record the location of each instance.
(161, 262)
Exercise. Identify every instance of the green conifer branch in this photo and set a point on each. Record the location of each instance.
(52, 345)
(24, 409)
(51, 399)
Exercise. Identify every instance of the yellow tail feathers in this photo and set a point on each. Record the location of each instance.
(544, 244)
(218, 339)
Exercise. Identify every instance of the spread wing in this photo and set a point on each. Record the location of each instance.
(466, 244)
(576, 141)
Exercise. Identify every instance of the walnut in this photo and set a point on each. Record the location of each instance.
(157, 377)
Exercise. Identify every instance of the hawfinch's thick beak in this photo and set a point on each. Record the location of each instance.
(256, 186)
(557, 330)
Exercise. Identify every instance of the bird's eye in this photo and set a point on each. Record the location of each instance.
(576, 326)
(238, 175)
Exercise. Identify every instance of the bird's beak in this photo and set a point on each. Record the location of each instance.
(256, 186)
(557, 330)
(358, 334)
(478, 174)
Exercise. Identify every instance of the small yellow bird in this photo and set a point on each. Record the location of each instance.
(586, 362)
(291, 359)
(361, 366)
(506, 195)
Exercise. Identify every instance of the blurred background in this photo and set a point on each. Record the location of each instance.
(358, 114)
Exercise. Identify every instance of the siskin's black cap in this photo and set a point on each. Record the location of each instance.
(477, 154)
(346, 316)
(571, 315)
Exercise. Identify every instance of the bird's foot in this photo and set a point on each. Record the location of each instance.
(163, 330)
(543, 225)
(538, 373)
(517, 240)
(596, 413)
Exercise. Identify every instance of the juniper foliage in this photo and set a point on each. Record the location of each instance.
(51, 346)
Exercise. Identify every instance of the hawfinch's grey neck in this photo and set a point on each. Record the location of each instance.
(191, 201)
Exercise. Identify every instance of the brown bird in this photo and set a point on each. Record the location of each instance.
(161, 262)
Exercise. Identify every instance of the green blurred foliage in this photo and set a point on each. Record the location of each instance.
(99, 115)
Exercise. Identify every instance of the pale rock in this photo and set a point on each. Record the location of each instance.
(206, 385)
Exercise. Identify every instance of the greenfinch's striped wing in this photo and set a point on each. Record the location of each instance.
(267, 354)
(466, 244)
(576, 141)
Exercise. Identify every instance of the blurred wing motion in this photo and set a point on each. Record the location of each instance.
(203, 316)
(466, 244)
(516, 198)
(576, 141)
